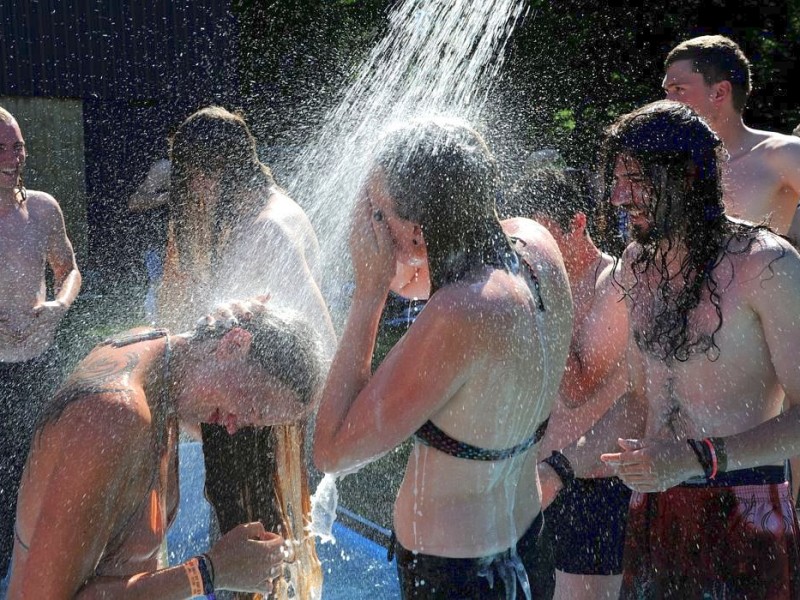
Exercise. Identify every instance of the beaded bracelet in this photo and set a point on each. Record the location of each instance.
(192, 569)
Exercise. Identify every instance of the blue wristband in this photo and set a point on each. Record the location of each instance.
(206, 568)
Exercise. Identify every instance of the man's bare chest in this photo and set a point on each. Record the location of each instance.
(23, 242)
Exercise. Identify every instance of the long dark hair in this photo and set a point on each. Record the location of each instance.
(442, 176)
(679, 157)
(213, 140)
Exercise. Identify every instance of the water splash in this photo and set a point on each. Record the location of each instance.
(323, 509)
(438, 56)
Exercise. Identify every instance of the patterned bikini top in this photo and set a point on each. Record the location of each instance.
(430, 435)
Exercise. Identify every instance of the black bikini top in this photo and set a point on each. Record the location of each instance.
(430, 435)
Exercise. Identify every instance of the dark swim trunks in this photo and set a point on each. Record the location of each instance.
(585, 525)
(502, 576)
(735, 537)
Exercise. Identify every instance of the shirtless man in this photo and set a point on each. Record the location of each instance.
(585, 525)
(32, 237)
(97, 531)
(712, 305)
(762, 174)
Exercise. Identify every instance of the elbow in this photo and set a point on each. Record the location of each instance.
(323, 457)
(328, 458)
(324, 461)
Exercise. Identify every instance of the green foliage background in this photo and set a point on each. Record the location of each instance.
(572, 65)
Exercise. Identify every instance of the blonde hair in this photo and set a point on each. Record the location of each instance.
(6, 116)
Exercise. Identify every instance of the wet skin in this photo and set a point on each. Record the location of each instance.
(32, 236)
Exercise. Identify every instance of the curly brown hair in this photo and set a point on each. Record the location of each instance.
(679, 157)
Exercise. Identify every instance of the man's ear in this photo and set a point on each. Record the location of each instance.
(721, 91)
(235, 344)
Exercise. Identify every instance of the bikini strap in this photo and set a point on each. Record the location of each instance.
(430, 435)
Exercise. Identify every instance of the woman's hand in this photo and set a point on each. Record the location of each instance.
(247, 559)
(653, 465)
(371, 247)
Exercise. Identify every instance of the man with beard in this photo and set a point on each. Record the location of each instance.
(761, 174)
(714, 340)
(32, 237)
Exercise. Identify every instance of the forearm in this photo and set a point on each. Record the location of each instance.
(350, 371)
(625, 419)
(165, 584)
(767, 444)
(67, 288)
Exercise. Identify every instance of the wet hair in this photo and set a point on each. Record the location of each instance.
(558, 194)
(216, 141)
(679, 157)
(442, 176)
(285, 346)
(717, 58)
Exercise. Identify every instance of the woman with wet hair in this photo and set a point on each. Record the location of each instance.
(100, 488)
(234, 233)
(473, 379)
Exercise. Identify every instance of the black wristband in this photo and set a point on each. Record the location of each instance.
(703, 456)
(561, 465)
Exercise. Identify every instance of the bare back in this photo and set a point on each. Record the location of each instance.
(277, 255)
(454, 507)
(105, 439)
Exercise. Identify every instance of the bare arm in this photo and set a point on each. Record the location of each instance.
(787, 160)
(80, 509)
(77, 507)
(361, 416)
(281, 271)
(61, 258)
(625, 419)
(154, 190)
(598, 348)
(775, 297)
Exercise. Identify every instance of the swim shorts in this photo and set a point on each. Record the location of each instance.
(585, 525)
(733, 537)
